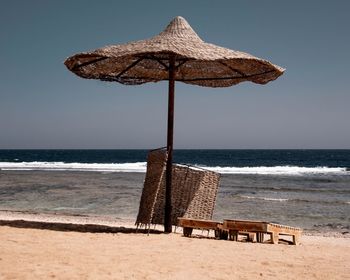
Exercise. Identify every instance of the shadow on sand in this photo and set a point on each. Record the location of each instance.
(92, 228)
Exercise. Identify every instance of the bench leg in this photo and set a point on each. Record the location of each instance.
(222, 234)
(274, 237)
(233, 235)
(187, 231)
(296, 239)
(250, 237)
(260, 237)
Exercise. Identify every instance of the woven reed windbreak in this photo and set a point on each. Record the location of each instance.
(194, 192)
(155, 174)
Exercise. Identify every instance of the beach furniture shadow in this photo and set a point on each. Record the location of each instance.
(92, 228)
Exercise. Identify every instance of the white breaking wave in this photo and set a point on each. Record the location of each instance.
(280, 170)
(75, 166)
(141, 168)
(265, 198)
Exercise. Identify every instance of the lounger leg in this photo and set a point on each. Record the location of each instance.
(221, 234)
(274, 237)
(187, 231)
(233, 235)
(250, 237)
(296, 238)
(260, 237)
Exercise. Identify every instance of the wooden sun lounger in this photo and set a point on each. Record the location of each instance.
(189, 224)
(235, 227)
(220, 233)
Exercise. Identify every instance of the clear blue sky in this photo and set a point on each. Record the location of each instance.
(43, 105)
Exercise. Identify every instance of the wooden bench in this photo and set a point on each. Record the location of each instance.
(225, 232)
(189, 224)
(235, 227)
(220, 233)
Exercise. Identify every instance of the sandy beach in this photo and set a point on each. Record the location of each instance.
(29, 253)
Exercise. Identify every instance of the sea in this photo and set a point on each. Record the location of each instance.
(304, 188)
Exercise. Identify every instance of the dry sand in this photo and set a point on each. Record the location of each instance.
(41, 254)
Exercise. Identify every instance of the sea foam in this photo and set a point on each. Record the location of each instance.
(280, 170)
(265, 198)
(141, 167)
(75, 166)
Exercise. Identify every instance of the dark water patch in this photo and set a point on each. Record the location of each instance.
(237, 158)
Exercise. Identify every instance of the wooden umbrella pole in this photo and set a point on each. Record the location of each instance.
(170, 137)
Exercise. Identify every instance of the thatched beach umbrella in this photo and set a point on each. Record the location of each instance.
(176, 54)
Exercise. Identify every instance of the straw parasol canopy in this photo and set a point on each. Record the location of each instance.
(197, 62)
(176, 54)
